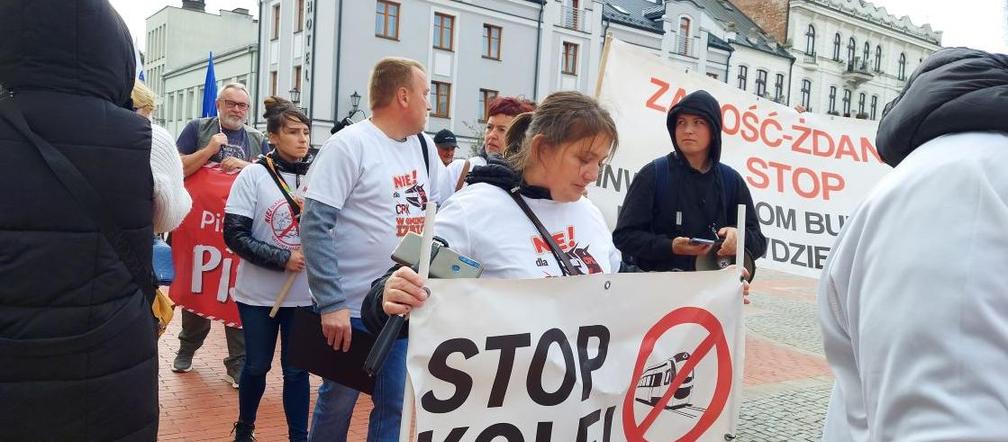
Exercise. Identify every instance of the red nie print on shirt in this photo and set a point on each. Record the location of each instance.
(579, 256)
(410, 197)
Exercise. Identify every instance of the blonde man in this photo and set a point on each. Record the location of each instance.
(373, 178)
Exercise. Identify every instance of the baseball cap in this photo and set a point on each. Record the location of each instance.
(445, 136)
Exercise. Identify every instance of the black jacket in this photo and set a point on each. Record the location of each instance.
(77, 337)
(701, 202)
(954, 90)
(238, 229)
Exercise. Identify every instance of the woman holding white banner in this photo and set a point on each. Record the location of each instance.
(550, 158)
(684, 205)
(261, 226)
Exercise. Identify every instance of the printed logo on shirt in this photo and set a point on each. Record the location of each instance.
(229, 150)
(579, 256)
(409, 196)
(281, 222)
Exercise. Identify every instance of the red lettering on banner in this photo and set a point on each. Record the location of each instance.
(866, 148)
(662, 88)
(805, 182)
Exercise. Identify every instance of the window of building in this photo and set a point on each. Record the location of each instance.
(779, 87)
(836, 47)
(486, 96)
(299, 26)
(810, 40)
(275, 34)
(901, 72)
(851, 48)
(684, 35)
(570, 58)
(440, 99)
(761, 79)
(832, 99)
(866, 55)
(806, 94)
(387, 20)
(491, 42)
(861, 103)
(297, 77)
(273, 82)
(444, 31)
(878, 58)
(743, 74)
(846, 102)
(874, 105)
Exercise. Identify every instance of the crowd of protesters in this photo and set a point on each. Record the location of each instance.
(79, 343)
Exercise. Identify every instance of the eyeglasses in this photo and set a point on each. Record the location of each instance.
(236, 104)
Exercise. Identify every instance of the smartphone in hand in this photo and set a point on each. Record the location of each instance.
(705, 241)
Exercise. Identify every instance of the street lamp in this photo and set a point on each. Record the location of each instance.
(295, 96)
(354, 110)
(354, 101)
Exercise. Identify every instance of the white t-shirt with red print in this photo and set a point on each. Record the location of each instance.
(255, 195)
(380, 186)
(482, 222)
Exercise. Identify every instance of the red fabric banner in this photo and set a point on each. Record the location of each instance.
(205, 268)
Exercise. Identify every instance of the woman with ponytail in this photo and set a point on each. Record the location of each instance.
(550, 157)
(261, 226)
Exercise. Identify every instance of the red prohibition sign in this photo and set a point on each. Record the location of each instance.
(633, 431)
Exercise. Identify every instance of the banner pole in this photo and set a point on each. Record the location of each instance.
(602, 64)
(408, 417)
(739, 359)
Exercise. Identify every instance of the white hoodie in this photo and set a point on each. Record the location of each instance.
(914, 300)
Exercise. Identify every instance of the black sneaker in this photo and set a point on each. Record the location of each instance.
(183, 363)
(243, 432)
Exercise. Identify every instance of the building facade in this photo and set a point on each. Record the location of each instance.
(473, 51)
(851, 56)
(709, 36)
(180, 38)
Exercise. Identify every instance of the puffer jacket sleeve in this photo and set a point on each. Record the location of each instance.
(238, 237)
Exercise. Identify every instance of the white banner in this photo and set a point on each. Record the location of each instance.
(645, 356)
(807, 172)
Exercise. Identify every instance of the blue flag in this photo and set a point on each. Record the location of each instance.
(210, 90)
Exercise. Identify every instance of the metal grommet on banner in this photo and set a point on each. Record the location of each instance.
(607, 285)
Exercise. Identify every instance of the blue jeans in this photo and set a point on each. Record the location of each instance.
(260, 344)
(335, 404)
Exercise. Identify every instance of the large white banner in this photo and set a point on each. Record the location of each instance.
(807, 172)
(646, 356)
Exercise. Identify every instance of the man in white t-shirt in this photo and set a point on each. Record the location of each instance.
(366, 189)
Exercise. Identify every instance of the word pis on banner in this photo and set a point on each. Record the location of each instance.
(205, 268)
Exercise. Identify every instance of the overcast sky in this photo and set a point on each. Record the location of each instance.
(979, 24)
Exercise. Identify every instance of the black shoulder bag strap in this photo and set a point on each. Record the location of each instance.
(566, 267)
(81, 189)
(426, 159)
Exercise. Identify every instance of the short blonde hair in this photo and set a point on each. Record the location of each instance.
(143, 97)
(390, 74)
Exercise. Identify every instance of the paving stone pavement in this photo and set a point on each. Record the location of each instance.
(786, 379)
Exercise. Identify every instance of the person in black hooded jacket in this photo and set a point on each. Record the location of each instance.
(693, 196)
(77, 338)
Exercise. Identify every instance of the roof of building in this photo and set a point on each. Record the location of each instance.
(878, 15)
(646, 15)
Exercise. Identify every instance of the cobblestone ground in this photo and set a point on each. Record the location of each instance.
(786, 382)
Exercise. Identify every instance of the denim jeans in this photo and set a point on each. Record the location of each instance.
(260, 344)
(335, 404)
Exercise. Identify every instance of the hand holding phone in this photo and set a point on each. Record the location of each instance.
(705, 241)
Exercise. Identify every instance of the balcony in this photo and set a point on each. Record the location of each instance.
(576, 19)
(810, 59)
(857, 72)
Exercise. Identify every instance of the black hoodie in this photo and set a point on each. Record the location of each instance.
(702, 202)
(954, 90)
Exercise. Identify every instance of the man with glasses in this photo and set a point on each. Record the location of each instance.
(227, 140)
(224, 139)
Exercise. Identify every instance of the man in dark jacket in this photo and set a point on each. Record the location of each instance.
(694, 195)
(77, 337)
